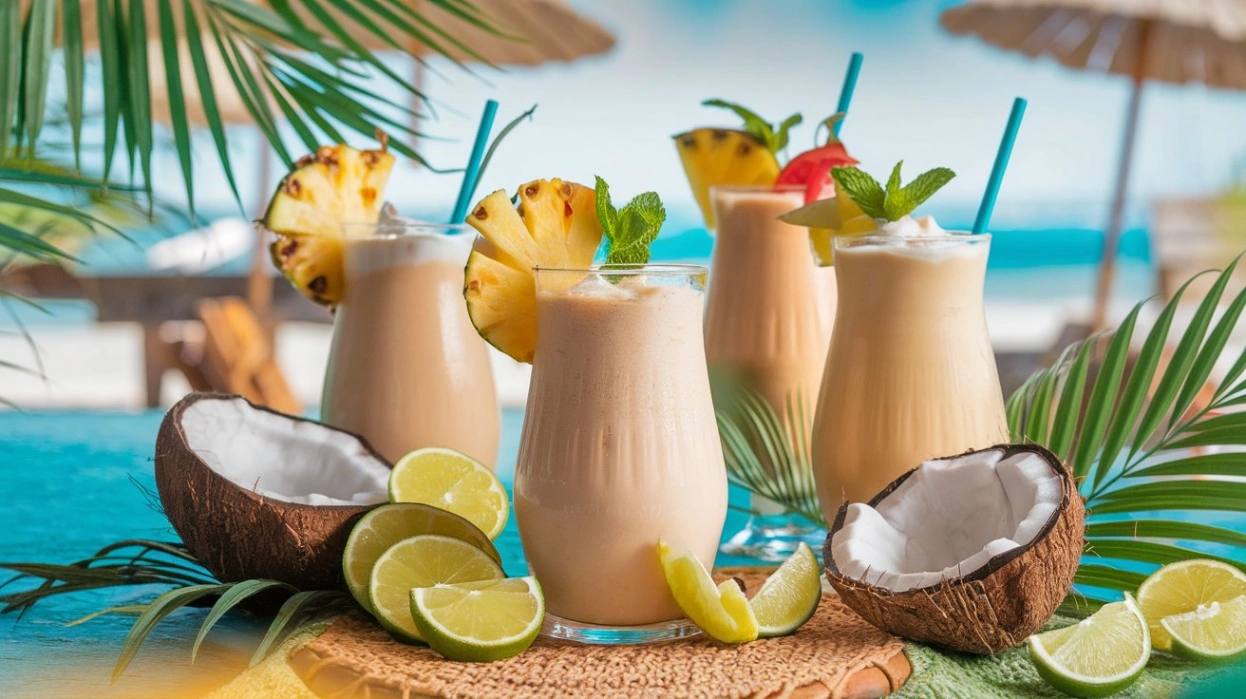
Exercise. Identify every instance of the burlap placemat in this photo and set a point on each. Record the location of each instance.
(836, 654)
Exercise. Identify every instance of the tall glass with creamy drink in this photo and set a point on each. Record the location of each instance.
(406, 368)
(768, 319)
(911, 374)
(619, 449)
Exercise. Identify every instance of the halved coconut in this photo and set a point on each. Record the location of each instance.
(972, 552)
(258, 494)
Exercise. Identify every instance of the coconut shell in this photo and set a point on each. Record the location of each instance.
(994, 607)
(237, 534)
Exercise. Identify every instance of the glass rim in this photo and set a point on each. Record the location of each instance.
(657, 269)
(908, 241)
(406, 229)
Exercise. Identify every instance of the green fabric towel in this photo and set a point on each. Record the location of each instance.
(950, 675)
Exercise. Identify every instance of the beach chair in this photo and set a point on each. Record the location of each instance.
(237, 356)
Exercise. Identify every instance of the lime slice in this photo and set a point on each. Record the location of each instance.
(480, 621)
(422, 561)
(1183, 587)
(723, 612)
(1100, 655)
(1216, 631)
(454, 482)
(386, 525)
(790, 596)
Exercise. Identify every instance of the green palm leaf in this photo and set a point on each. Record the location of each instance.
(765, 452)
(1141, 452)
(262, 46)
(148, 563)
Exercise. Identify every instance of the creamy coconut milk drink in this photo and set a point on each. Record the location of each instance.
(406, 368)
(620, 446)
(768, 319)
(769, 309)
(911, 374)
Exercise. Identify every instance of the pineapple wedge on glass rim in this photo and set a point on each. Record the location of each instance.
(554, 227)
(719, 157)
(334, 185)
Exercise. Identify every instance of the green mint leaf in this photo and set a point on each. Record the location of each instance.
(862, 189)
(759, 128)
(606, 215)
(926, 184)
(895, 203)
(781, 136)
(639, 222)
(905, 200)
(893, 182)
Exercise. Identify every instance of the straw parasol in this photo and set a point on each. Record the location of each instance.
(534, 32)
(1170, 41)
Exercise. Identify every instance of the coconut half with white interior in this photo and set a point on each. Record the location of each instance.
(255, 493)
(972, 552)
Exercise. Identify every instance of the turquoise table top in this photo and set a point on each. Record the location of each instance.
(71, 483)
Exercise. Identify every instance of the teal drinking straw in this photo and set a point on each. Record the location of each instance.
(1001, 164)
(472, 173)
(850, 85)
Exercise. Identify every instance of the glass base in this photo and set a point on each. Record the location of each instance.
(594, 634)
(773, 537)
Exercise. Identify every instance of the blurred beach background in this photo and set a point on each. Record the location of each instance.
(924, 96)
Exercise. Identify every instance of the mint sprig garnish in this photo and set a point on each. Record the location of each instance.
(773, 136)
(892, 202)
(631, 229)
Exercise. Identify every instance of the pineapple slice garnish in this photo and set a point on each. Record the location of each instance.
(718, 157)
(556, 227)
(334, 185)
(829, 218)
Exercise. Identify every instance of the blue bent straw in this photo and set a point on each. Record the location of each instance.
(850, 85)
(472, 173)
(1001, 164)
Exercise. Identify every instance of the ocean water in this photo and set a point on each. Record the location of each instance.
(1044, 263)
(71, 483)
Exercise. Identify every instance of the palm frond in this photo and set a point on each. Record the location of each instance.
(262, 45)
(169, 564)
(767, 453)
(1151, 443)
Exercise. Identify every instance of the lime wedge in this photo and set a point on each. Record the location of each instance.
(1182, 587)
(790, 596)
(454, 482)
(1100, 655)
(386, 525)
(1216, 631)
(422, 561)
(480, 621)
(723, 612)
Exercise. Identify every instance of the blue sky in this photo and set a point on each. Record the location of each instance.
(924, 96)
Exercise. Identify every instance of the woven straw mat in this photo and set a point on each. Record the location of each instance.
(836, 654)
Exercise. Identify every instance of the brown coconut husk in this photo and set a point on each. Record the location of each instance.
(237, 534)
(992, 608)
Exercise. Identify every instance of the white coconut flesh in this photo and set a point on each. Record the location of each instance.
(948, 519)
(281, 458)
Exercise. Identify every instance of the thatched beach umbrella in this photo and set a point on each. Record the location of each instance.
(528, 32)
(1171, 41)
